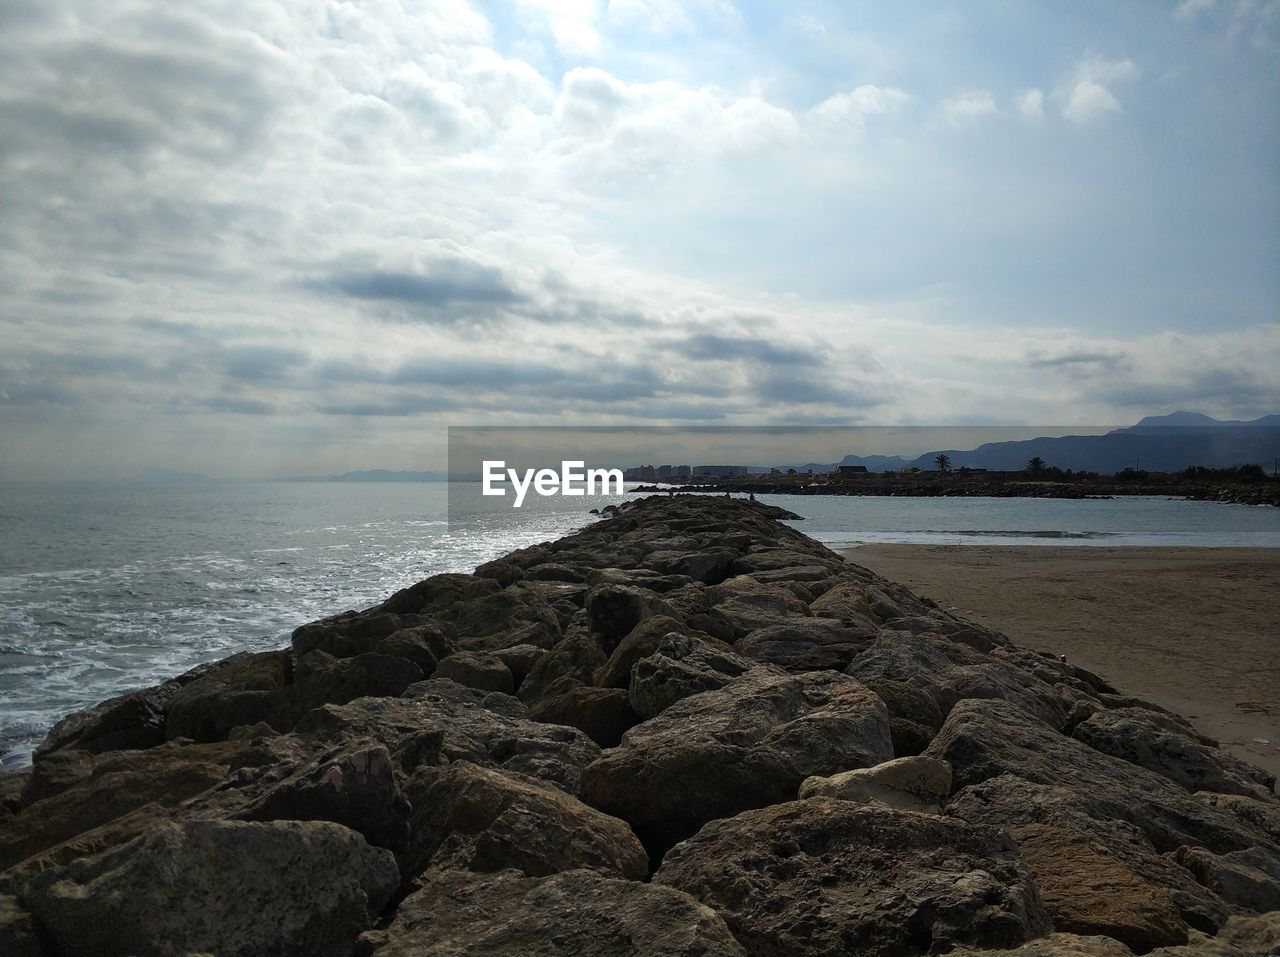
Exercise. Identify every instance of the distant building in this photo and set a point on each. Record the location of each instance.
(846, 472)
(719, 471)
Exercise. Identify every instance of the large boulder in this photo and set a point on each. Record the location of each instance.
(353, 785)
(681, 666)
(829, 877)
(1158, 743)
(440, 720)
(222, 887)
(806, 644)
(613, 611)
(745, 745)
(485, 671)
(603, 714)
(563, 915)
(747, 608)
(950, 672)
(467, 817)
(983, 739)
(640, 642)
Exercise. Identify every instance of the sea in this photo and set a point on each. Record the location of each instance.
(105, 588)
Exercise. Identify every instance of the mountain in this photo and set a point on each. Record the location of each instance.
(168, 476)
(389, 475)
(876, 463)
(1164, 443)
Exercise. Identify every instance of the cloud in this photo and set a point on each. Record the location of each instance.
(1088, 96)
(711, 347)
(1031, 103)
(442, 284)
(967, 107)
(852, 109)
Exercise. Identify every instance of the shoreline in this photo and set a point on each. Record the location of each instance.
(1199, 625)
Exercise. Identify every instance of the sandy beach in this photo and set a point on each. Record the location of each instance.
(1196, 630)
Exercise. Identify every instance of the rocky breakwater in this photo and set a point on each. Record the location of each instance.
(685, 730)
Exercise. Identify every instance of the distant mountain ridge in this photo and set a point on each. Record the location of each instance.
(1159, 443)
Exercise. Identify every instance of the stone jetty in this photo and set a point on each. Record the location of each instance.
(686, 729)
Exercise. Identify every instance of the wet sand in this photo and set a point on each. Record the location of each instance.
(1196, 630)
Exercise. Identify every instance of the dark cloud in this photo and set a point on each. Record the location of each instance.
(712, 347)
(1082, 357)
(261, 363)
(432, 290)
(404, 405)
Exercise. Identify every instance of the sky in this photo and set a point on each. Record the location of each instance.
(252, 238)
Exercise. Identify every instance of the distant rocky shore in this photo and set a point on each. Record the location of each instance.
(686, 729)
(1236, 493)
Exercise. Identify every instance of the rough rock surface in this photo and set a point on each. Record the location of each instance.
(470, 818)
(909, 784)
(748, 744)
(829, 877)
(218, 887)
(284, 801)
(565, 915)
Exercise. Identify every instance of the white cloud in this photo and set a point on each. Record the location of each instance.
(1087, 95)
(1031, 103)
(1191, 9)
(967, 107)
(854, 107)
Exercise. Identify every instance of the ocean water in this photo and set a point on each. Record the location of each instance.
(108, 588)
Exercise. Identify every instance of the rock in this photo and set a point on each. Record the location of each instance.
(230, 888)
(1097, 874)
(762, 606)
(806, 644)
(471, 818)
(846, 602)
(578, 656)
(640, 642)
(613, 612)
(424, 645)
(1262, 816)
(1241, 936)
(914, 714)
(1059, 945)
(321, 679)
(951, 672)
(354, 633)
(1152, 741)
(681, 666)
(441, 720)
(353, 786)
(18, 934)
(909, 784)
(484, 671)
(520, 660)
(746, 745)
(603, 714)
(984, 738)
(563, 915)
(110, 786)
(1248, 879)
(828, 877)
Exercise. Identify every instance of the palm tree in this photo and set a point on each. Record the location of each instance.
(943, 461)
(1035, 465)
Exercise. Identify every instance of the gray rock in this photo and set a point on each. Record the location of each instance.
(909, 784)
(230, 888)
(951, 672)
(1248, 879)
(603, 714)
(471, 818)
(18, 934)
(1152, 741)
(828, 877)
(564, 915)
(613, 612)
(747, 610)
(441, 720)
(1262, 816)
(640, 642)
(746, 745)
(807, 644)
(484, 671)
(984, 738)
(680, 666)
